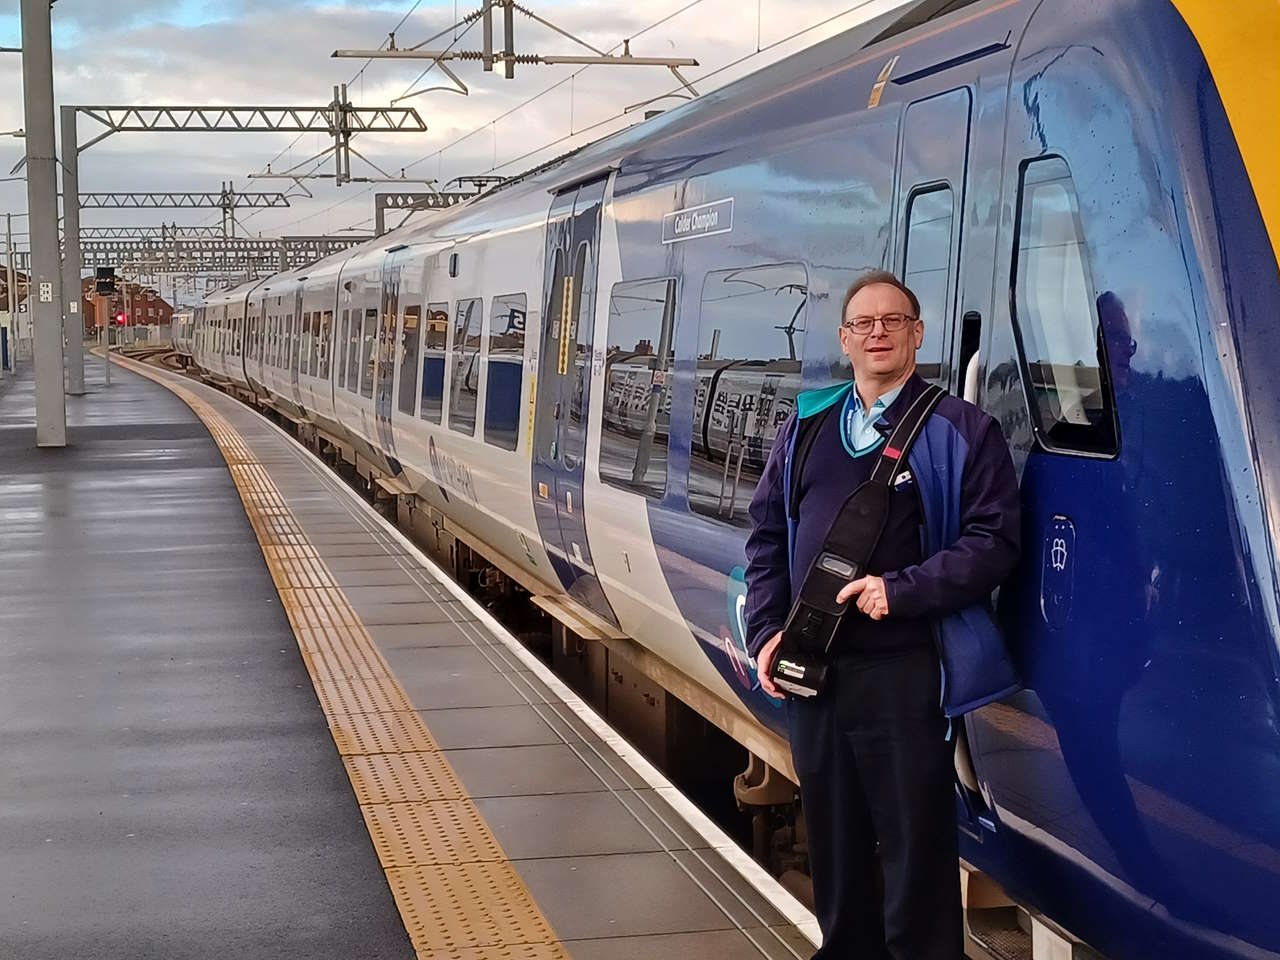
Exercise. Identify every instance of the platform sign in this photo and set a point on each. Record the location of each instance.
(46, 291)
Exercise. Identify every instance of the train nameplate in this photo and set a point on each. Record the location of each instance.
(704, 220)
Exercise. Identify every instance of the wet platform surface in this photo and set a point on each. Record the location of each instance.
(170, 788)
(164, 657)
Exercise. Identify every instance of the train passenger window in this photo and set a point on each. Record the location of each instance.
(928, 272)
(353, 353)
(326, 336)
(750, 344)
(504, 360)
(368, 357)
(637, 386)
(1061, 346)
(464, 379)
(340, 347)
(436, 333)
(410, 338)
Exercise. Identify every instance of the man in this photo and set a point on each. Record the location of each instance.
(873, 750)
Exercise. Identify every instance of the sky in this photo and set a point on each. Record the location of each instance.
(251, 52)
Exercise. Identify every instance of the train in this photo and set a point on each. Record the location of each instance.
(579, 374)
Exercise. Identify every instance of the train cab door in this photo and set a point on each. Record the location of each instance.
(934, 162)
(564, 389)
(931, 191)
(385, 367)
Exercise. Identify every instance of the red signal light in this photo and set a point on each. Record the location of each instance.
(122, 318)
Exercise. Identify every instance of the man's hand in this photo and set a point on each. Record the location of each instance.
(764, 663)
(872, 599)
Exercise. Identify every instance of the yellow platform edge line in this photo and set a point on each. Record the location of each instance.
(464, 899)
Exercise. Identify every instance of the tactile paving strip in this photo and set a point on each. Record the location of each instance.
(389, 777)
(505, 951)
(423, 834)
(400, 732)
(458, 895)
(447, 907)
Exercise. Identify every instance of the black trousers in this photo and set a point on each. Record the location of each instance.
(876, 778)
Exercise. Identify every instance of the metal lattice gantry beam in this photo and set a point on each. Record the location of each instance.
(339, 119)
(150, 231)
(215, 255)
(332, 117)
(410, 201)
(174, 200)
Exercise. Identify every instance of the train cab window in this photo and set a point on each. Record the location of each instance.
(750, 344)
(637, 386)
(410, 340)
(436, 335)
(369, 359)
(464, 377)
(504, 360)
(353, 353)
(928, 272)
(344, 337)
(1061, 346)
(326, 337)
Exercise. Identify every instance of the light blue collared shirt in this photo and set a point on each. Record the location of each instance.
(858, 429)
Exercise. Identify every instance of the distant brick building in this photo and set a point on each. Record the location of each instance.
(144, 305)
(20, 280)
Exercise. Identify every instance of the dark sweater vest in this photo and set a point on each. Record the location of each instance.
(829, 476)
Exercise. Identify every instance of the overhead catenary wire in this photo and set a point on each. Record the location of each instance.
(555, 86)
(490, 125)
(355, 76)
(705, 76)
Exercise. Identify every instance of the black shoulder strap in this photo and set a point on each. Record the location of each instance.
(806, 431)
(905, 433)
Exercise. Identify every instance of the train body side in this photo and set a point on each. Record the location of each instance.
(1130, 790)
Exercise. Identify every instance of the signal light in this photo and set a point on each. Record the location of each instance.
(122, 318)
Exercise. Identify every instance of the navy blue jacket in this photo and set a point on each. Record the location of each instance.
(969, 540)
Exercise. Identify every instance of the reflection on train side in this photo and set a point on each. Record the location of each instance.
(750, 345)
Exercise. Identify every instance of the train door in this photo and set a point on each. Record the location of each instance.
(564, 388)
(384, 383)
(931, 190)
(257, 336)
(295, 345)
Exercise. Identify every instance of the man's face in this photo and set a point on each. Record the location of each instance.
(881, 354)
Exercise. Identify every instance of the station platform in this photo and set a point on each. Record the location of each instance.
(242, 714)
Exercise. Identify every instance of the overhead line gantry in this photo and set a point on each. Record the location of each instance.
(339, 119)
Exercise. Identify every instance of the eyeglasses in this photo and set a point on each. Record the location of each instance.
(892, 323)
